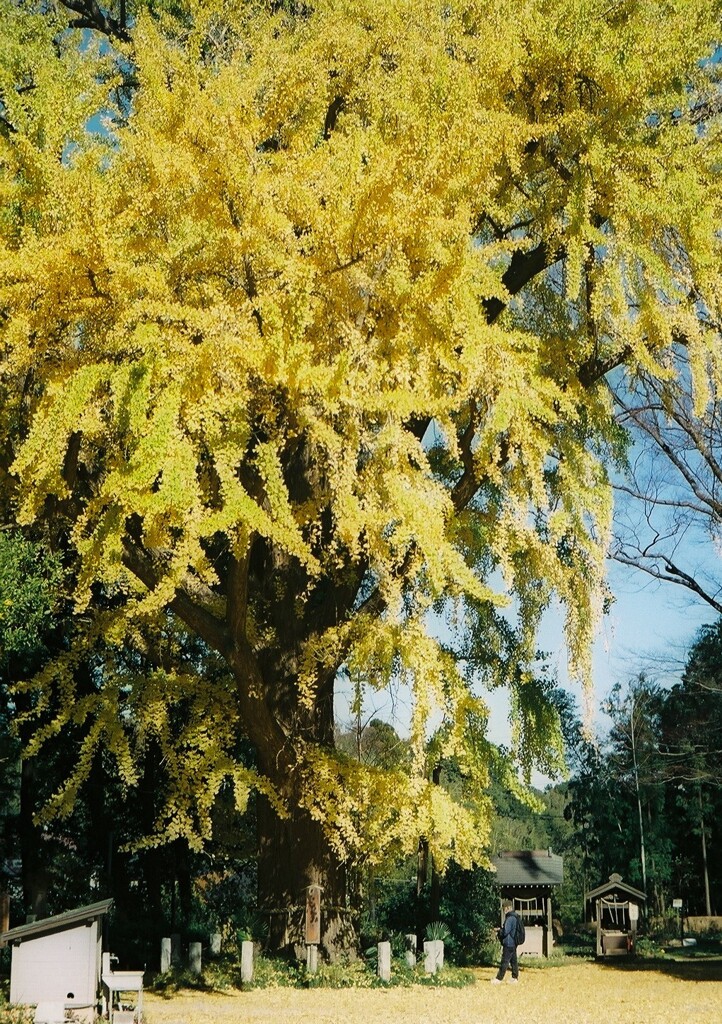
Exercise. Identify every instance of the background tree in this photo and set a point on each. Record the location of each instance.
(31, 601)
(312, 339)
(691, 743)
(636, 764)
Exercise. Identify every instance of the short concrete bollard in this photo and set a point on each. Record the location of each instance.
(194, 957)
(311, 957)
(384, 961)
(410, 952)
(216, 939)
(164, 955)
(433, 956)
(246, 962)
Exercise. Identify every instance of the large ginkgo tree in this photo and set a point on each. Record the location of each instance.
(307, 318)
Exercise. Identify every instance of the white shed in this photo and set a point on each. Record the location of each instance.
(58, 959)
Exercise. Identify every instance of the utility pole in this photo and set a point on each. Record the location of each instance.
(636, 786)
(708, 902)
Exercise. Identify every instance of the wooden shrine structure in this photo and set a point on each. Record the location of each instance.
(527, 879)
(615, 906)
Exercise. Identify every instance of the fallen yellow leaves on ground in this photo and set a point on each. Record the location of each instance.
(645, 993)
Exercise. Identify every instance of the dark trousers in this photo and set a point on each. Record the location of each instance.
(508, 956)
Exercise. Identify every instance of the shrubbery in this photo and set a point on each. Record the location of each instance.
(273, 972)
(469, 907)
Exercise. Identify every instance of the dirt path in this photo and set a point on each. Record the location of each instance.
(663, 993)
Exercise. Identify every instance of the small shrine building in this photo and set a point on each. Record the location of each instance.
(615, 907)
(528, 878)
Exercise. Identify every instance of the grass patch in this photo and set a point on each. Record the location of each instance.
(224, 975)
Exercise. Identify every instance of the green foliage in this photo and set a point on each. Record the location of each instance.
(487, 950)
(272, 972)
(468, 909)
(363, 975)
(449, 977)
(649, 948)
(558, 958)
(345, 974)
(580, 945)
(437, 930)
(30, 595)
(713, 934)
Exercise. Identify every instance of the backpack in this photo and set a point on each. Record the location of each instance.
(519, 933)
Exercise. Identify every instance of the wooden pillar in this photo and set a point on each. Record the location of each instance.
(313, 926)
(550, 927)
(4, 914)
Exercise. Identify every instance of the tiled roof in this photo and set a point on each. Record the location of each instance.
(615, 885)
(528, 867)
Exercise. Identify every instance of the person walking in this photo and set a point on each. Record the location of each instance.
(508, 938)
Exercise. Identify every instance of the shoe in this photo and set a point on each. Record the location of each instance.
(495, 981)
(513, 981)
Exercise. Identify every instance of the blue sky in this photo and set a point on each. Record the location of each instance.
(649, 628)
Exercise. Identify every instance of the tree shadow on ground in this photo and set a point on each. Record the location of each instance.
(685, 970)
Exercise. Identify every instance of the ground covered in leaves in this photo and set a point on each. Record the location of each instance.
(647, 992)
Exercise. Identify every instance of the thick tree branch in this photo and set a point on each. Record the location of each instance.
(261, 725)
(237, 595)
(523, 267)
(91, 16)
(208, 627)
(334, 109)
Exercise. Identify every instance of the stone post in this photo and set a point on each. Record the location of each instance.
(433, 956)
(384, 961)
(311, 957)
(194, 957)
(165, 947)
(216, 943)
(246, 962)
(410, 953)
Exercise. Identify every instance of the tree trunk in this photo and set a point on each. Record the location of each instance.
(422, 870)
(294, 853)
(35, 876)
(435, 895)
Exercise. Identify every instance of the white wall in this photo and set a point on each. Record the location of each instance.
(49, 967)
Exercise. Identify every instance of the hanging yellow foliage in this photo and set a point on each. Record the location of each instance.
(305, 320)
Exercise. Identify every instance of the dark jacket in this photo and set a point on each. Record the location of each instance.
(508, 930)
